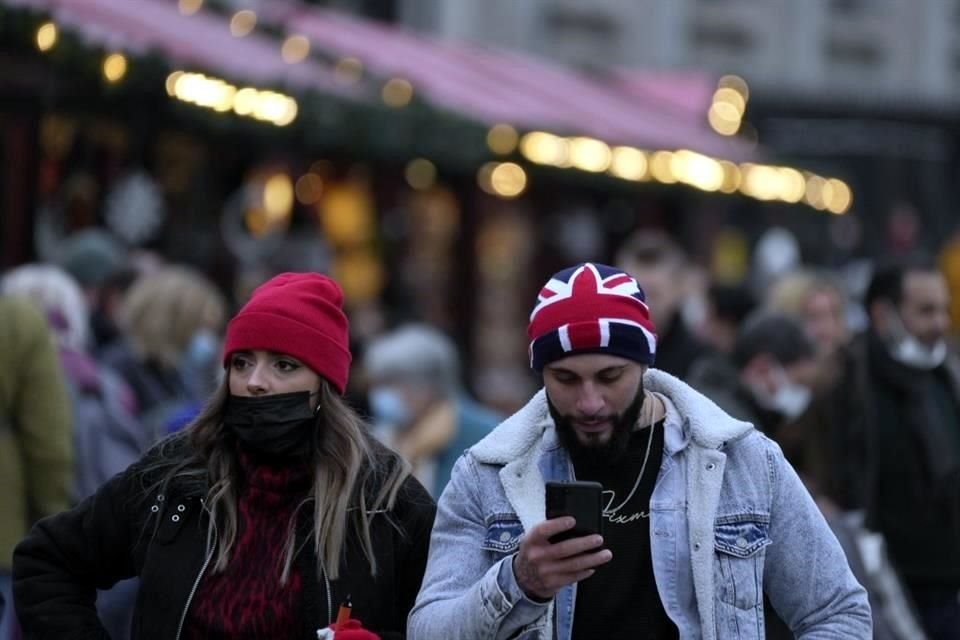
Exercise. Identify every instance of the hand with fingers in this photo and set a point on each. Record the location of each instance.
(542, 568)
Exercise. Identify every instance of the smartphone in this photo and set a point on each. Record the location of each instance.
(582, 500)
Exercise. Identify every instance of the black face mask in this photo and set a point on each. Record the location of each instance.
(280, 425)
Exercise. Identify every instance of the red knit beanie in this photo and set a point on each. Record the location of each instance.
(301, 315)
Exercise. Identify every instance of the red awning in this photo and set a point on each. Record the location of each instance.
(496, 85)
(645, 109)
(685, 94)
(199, 42)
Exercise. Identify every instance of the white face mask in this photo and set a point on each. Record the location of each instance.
(203, 348)
(913, 353)
(790, 399)
(906, 349)
(387, 407)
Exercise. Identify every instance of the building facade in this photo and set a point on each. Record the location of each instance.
(844, 51)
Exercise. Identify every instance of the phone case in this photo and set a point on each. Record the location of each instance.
(579, 499)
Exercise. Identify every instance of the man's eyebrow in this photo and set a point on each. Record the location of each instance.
(617, 368)
(554, 369)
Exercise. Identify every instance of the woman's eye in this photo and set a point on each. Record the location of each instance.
(286, 365)
(238, 364)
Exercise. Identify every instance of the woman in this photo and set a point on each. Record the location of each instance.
(257, 521)
(107, 438)
(160, 317)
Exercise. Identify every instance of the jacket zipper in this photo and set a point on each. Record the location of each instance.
(326, 583)
(196, 583)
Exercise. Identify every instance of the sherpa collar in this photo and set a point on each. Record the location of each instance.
(706, 424)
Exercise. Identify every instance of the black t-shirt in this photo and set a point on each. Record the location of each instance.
(620, 600)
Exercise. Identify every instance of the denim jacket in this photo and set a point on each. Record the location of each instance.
(729, 520)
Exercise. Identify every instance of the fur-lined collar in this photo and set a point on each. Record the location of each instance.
(708, 426)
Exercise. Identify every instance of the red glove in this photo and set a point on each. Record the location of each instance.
(352, 629)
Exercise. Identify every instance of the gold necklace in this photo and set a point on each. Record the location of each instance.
(643, 467)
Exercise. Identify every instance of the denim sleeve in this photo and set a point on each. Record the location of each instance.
(466, 595)
(806, 575)
(524, 608)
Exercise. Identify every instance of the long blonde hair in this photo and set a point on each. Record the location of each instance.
(351, 482)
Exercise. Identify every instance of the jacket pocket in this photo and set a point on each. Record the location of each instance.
(503, 533)
(738, 566)
(536, 630)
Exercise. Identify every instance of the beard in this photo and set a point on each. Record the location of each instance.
(596, 452)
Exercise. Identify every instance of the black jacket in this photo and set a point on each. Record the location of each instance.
(916, 449)
(678, 348)
(124, 530)
(878, 440)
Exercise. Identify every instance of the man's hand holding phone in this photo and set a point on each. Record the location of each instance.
(542, 568)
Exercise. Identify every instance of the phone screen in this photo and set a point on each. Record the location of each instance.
(582, 500)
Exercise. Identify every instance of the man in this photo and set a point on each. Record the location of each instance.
(886, 438)
(100, 265)
(654, 259)
(727, 307)
(702, 515)
(767, 379)
(768, 382)
(35, 438)
(418, 403)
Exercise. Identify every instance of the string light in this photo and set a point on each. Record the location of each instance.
(729, 105)
(114, 67)
(397, 92)
(189, 7)
(242, 23)
(348, 71)
(420, 174)
(46, 36)
(502, 179)
(681, 166)
(295, 49)
(502, 139)
(221, 96)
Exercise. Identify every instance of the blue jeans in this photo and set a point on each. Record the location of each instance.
(939, 611)
(115, 608)
(8, 619)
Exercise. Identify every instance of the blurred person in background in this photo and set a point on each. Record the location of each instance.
(417, 400)
(885, 439)
(768, 381)
(819, 302)
(35, 445)
(659, 265)
(171, 322)
(768, 378)
(100, 264)
(272, 508)
(107, 438)
(726, 309)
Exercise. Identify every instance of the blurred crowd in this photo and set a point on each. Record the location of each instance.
(856, 378)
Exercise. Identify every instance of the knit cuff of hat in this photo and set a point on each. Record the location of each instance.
(287, 335)
(624, 340)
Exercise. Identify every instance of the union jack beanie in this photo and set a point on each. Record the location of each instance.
(591, 308)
